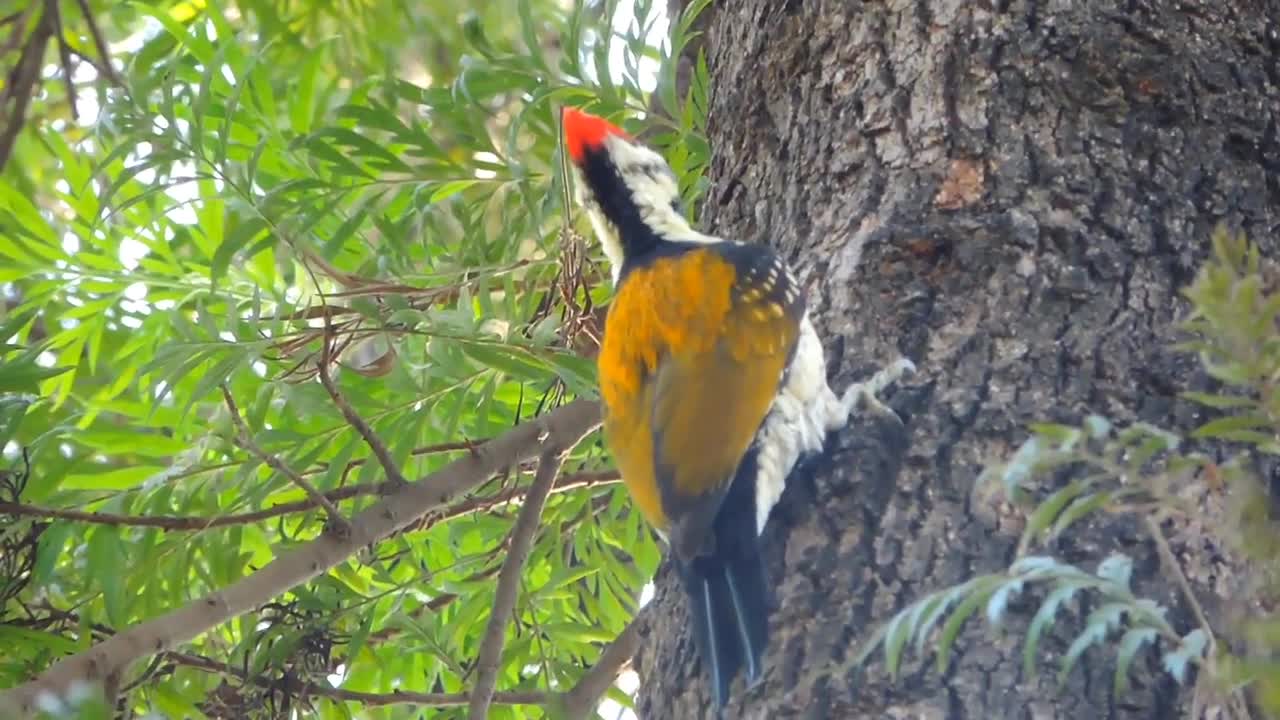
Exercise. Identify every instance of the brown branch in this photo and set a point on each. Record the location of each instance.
(425, 450)
(20, 23)
(1170, 561)
(22, 84)
(504, 602)
(580, 702)
(323, 466)
(560, 428)
(107, 70)
(188, 523)
(93, 61)
(397, 697)
(64, 55)
(337, 523)
(371, 439)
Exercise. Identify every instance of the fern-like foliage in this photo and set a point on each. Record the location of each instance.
(1136, 621)
(1063, 474)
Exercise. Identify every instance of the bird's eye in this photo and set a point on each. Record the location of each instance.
(677, 205)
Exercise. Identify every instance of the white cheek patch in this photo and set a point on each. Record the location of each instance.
(654, 192)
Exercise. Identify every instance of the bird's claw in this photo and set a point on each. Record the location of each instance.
(863, 396)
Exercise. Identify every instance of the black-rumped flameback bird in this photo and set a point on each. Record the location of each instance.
(713, 383)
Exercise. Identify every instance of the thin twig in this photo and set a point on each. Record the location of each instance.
(64, 54)
(107, 69)
(191, 523)
(368, 699)
(375, 444)
(468, 445)
(338, 522)
(581, 701)
(20, 23)
(21, 85)
(1171, 563)
(83, 57)
(504, 602)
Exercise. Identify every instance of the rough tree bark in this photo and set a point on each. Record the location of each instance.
(1011, 194)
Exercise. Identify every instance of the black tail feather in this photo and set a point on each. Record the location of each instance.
(729, 606)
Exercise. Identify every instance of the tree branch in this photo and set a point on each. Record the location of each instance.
(338, 523)
(64, 55)
(380, 451)
(398, 697)
(561, 428)
(107, 70)
(580, 702)
(21, 84)
(504, 602)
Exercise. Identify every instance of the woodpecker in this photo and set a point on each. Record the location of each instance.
(713, 383)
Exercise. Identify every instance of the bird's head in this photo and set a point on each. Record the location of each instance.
(628, 190)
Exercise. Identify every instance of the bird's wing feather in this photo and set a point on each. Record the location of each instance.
(708, 402)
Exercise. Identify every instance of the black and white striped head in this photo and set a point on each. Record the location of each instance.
(629, 191)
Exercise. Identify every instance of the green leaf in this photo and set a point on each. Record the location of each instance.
(1189, 650)
(565, 576)
(1221, 402)
(930, 611)
(13, 408)
(1097, 626)
(1043, 618)
(24, 374)
(241, 234)
(1117, 568)
(576, 632)
(49, 549)
(515, 362)
(1047, 511)
(116, 479)
(1132, 641)
(1234, 427)
(895, 640)
(147, 445)
(370, 149)
(1079, 509)
(979, 594)
(998, 605)
(451, 188)
(106, 557)
(14, 636)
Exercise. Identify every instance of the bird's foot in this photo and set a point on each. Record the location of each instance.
(862, 396)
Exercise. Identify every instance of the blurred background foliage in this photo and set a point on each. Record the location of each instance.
(190, 191)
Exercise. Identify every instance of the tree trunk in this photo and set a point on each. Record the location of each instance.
(1012, 195)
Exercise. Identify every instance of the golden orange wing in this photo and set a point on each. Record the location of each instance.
(693, 351)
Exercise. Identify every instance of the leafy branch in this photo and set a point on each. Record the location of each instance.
(567, 482)
(560, 428)
(23, 81)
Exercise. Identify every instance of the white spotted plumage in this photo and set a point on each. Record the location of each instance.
(804, 411)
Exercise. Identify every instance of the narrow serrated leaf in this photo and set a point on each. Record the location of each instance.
(980, 594)
(1043, 618)
(1132, 641)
